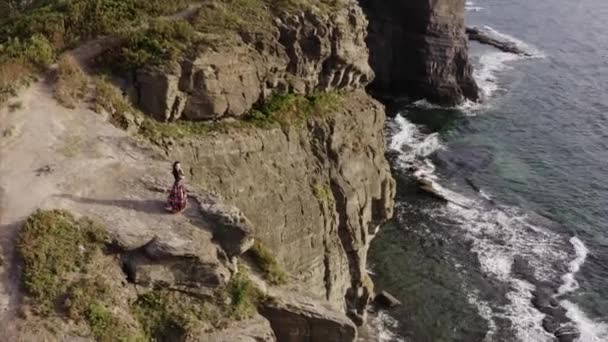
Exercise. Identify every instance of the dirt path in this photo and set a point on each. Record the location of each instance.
(51, 157)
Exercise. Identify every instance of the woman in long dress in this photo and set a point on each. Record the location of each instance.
(178, 198)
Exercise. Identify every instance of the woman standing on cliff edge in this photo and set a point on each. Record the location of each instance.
(177, 197)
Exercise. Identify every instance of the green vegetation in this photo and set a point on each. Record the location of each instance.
(163, 314)
(323, 193)
(234, 16)
(109, 98)
(53, 245)
(157, 46)
(63, 272)
(168, 315)
(33, 33)
(67, 275)
(280, 111)
(272, 271)
(294, 110)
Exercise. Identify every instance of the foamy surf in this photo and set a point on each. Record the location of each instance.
(470, 6)
(490, 64)
(383, 326)
(569, 281)
(590, 330)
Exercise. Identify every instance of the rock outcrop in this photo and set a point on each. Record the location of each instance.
(418, 49)
(487, 38)
(303, 52)
(296, 319)
(314, 195)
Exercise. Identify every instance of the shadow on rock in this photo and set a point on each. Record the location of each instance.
(144, 206)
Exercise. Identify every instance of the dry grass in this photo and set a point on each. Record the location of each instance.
(71, 82)
(108, 97)
(13, 74)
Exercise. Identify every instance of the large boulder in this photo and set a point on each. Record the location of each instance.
(231, 228)
(295, 318)
(183, 260)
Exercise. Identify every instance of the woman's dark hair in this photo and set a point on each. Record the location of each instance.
(175, 165)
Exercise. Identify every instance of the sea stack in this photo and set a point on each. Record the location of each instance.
(419, 50)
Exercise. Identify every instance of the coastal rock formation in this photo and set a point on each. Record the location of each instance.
(418, 49)
(304, 52)
(296, 319)
(316, 195)
(484, 37)
(256, 329)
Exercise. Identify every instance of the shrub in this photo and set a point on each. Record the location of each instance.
(110, 98)
(36, 50)
(244, 297)
(323, 193)
(294, 110)
(272, 271)
(163, 42)
(239, 16)
(13, 73)
(53, 245)
(71, 82)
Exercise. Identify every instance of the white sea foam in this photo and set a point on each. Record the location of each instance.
(590, 330)
(485, 311)
(490, 64)
(384, 325)
(410, 142)
(498, 236)
(524, 317)
(493, 62)
(569, 282)
(472, 7)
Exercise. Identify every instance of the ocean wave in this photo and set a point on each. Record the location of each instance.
(569, 281)
(411, 144)
(590, 330)
(499, 235)
(472, 7)
(485, 311)
(384, 325)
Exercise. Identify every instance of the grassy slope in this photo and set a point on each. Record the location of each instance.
(68, 274)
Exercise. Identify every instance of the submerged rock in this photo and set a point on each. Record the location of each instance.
(486, 38)
(386, 299)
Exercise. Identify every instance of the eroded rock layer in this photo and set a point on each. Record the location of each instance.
(303, 52)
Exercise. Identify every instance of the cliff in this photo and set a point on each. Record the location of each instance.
(284, 155)
(419, 50)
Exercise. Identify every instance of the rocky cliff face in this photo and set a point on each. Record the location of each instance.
(419, 50)
(304, 52)
(315, 195)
